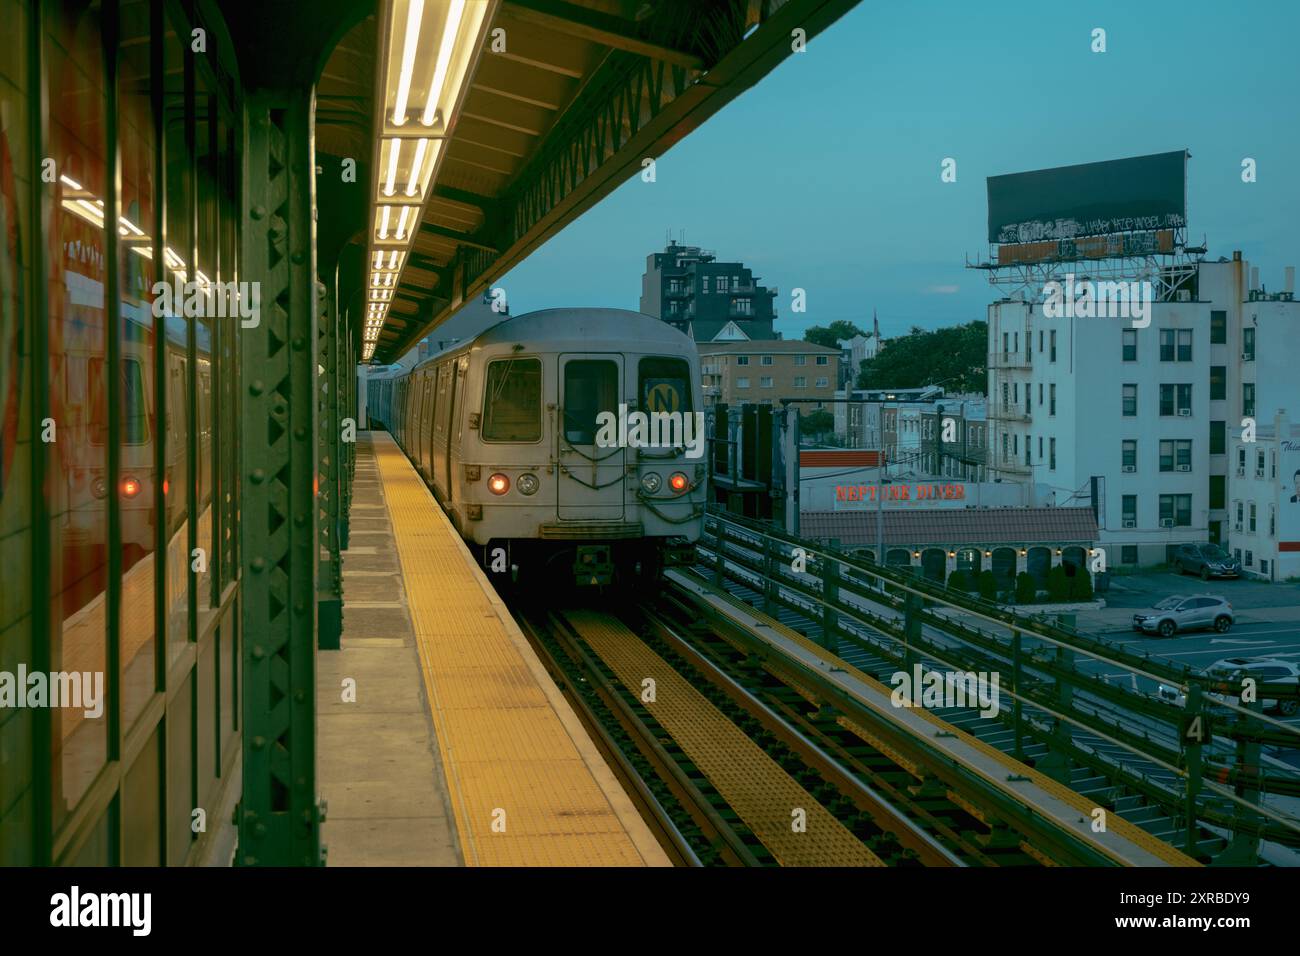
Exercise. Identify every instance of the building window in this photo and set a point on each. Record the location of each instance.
(1166, 345)
(1272, 521)
(1218, 328)
(1248, 345)
(1128, 554)
(1129, 454)
(1051, 410)
(801, 381)
(1006, 345)
(704, 287)
(1218, 438)
(1175, 511)
(1218, 382)
(742, 306)
(1175, 400)
(1248, 398)
(1184, 345)
(1218, 491)
(1015, 392)
(1052, 343)
(724, 283)
(1129, 509)
(1259, 464)
(822, 382)
(1251, 527)
(801, 360)
(1027, 448)
(1250, 558)
(765, 360)
(823, 360)
(742, 359)
(1040, 394)
(765, 381)
(1176, 455)
(1130, 345)
(1040, 446)
(742, 383)
(1051, 448)
(1239, 515)
(1130, 401)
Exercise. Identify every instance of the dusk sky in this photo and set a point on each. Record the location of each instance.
(825, 175)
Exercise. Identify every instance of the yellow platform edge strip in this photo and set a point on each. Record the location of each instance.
(417, 521)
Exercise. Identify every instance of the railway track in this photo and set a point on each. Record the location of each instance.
(734, 765)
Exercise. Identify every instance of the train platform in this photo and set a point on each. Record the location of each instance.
(457, 747)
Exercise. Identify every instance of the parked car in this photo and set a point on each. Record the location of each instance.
(1207, 560)
(1264, 670)
(1181, 613)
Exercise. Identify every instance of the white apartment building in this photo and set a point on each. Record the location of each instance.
(1149, 412)
(1264, 507)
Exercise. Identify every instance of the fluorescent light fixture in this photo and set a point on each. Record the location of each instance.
(449, 33)
(414, 12)
(392, 259)
(394, 154)
(71, 183)
(401, 223)
(379, 258)
(383, 222)
(416, 166)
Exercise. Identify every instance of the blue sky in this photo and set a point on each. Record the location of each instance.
(825, 175)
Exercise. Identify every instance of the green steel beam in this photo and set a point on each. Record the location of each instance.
(279, 816)
(329, 592)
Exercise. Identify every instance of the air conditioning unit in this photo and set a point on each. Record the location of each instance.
(1184, 295)
(1237, 526)
(1130, 468)
(1248, 356)
(1184, 468)
(1130, 522)
(1184, 413)
(1168, 523)
(1241, 472)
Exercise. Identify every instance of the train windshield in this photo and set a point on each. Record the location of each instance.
(665, 385)
(590, 387)
(512, 402)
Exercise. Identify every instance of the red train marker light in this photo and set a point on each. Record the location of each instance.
(678, 482)
(130, 487)
(498, 484)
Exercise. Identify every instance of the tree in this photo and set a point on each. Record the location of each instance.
(817, 422)
(831, 336)
(955, 355)
(959, 580)
(988, 584)
(1058, 584)
(1026, 588)
(1081, 585)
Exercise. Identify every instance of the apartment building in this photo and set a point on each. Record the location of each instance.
(708, 300)
(1264, 502)
(1143, 416)
(766, 372)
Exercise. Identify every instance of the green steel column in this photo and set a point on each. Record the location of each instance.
(344, 375)
(1196, 731)
(279, 817)
(329, 577)
(831, 597)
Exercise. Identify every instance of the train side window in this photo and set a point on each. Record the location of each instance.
(665, 385)
(590, 387)
(512, 400)
(135, 405)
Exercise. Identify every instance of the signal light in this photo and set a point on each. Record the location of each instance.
(498, 484)
(678, 482)
(130, 487)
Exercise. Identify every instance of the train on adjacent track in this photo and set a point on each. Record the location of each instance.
(562, 444)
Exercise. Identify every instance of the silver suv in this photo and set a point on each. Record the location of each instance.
(1265, 670)
(1179, 613)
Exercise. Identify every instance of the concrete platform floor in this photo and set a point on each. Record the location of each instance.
(378, 762)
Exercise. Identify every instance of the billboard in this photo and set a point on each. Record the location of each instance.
(1142, 194)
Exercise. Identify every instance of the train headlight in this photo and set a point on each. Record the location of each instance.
(130, 487)
(527, 483)
(498, 484)
(650, 482)
(98, 488)
(678, 482)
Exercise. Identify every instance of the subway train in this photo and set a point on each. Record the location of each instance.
(563, 445)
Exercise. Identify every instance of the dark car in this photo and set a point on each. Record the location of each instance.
(1207, 560)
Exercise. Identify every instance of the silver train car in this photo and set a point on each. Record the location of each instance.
(565, 443)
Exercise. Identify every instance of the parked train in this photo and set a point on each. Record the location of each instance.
(561, 442)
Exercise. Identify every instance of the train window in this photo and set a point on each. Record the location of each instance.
(512, 403)
(665, 385)
(135, 412)
(590, 387)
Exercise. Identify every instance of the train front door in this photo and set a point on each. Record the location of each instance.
(590, 452)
